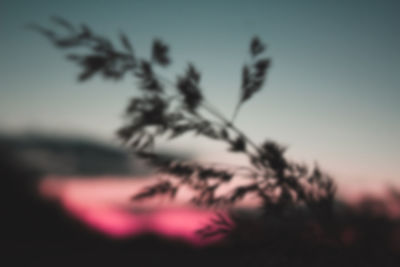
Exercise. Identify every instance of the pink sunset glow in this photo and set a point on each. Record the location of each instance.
(104, 205)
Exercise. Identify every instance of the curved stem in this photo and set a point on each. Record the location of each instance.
(236, 111)
(215, 112)
(232, 127)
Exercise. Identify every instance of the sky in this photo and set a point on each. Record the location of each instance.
(332, 95)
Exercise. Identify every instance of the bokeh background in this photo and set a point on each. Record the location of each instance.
(332, 95)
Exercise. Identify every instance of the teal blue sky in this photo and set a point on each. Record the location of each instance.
(332, 94)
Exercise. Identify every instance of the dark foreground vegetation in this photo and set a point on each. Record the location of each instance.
(38, 233)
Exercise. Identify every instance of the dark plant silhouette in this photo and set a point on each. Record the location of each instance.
(171, 109)
(219, 225)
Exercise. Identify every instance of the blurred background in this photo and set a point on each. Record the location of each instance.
(332, 95)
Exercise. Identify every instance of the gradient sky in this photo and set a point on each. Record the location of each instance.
(332, 95)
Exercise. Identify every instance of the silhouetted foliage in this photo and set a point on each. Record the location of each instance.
(188, 86)
(160, 188)
(173, 109)
(160, 53)
(220, 225)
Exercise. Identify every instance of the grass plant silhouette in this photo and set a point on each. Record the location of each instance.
(172, 109)
(301, 226)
